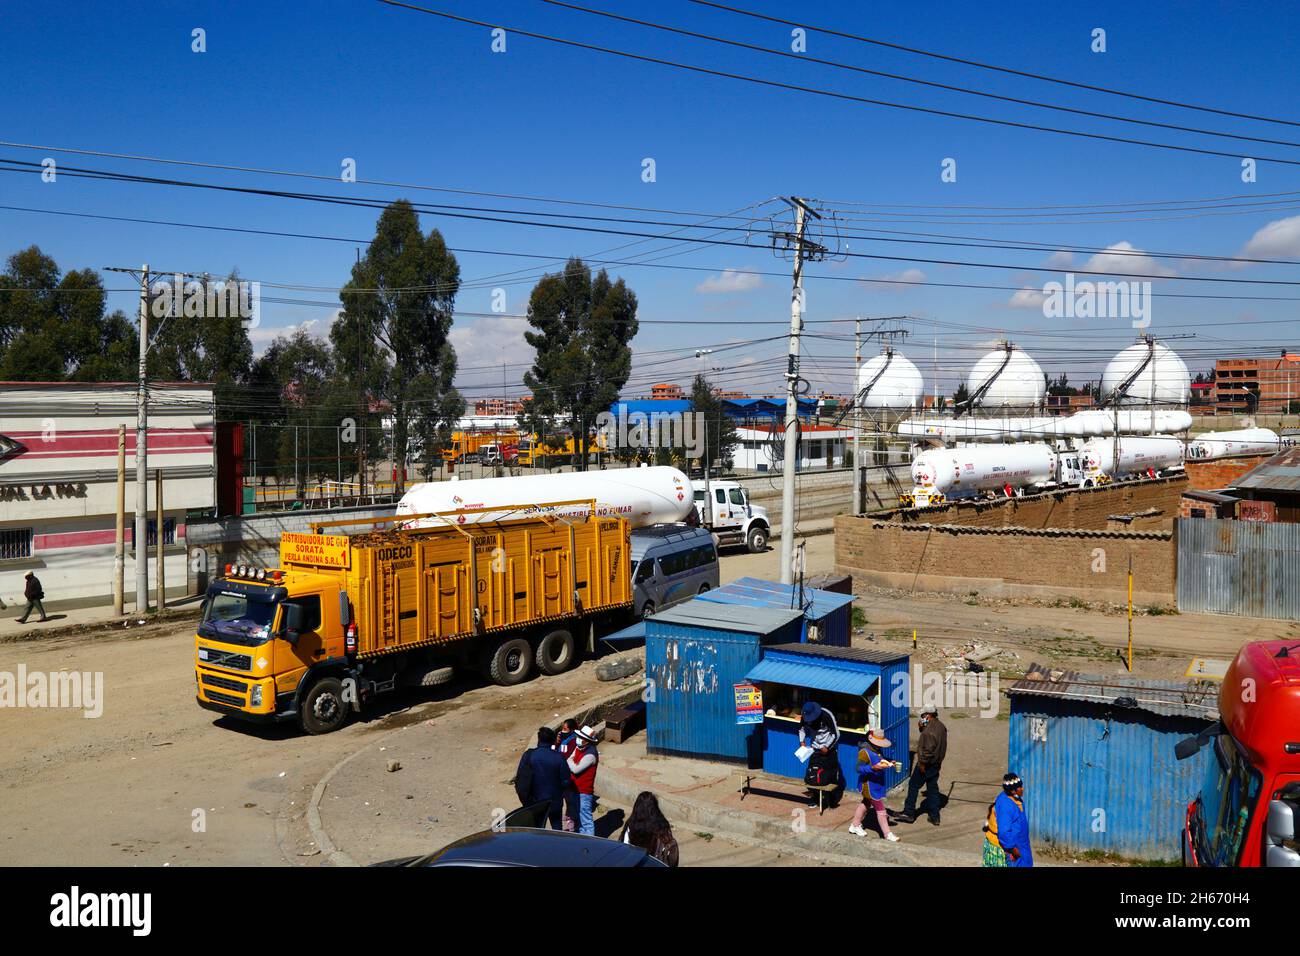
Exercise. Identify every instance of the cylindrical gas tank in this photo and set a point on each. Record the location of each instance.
(972, 469)
(1245, 441)
(643, 496)
(1136, 455)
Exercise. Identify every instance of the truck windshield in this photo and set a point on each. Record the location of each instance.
(241, 618)
(1228, 797)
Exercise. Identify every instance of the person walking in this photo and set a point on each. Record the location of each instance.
(1006, 831)
(649, 829)
(34, 593)
(818, 730)
(582, 767)
(930, 752)
(564, 745)
(871, 768)
(542, 777)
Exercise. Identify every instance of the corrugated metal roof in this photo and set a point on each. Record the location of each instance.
(1197, 698)
(1279, 473)
(756, 592)
(809, 674)
(724, 617)
(857, 654)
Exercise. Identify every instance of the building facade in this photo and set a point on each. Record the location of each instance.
(1264, 385)
(58, 484)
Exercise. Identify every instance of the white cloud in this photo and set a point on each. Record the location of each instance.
(1060, 259)
(1027, 298)
(318, 328)
(1125, 257)
(896, 281)
(1277, 240)
(482, 345)
(730, 281)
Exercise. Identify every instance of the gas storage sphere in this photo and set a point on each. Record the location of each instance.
(1014, 379)
(643, 496)
(891, 380)
(1164, 380)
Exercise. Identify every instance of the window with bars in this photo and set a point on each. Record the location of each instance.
(169, 532)
(15, 543)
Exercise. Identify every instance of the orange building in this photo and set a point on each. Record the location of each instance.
(1244, 386)
(665, 390)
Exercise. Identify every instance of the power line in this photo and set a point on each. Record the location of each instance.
(848, 97)
(911, 79)
(989, 66)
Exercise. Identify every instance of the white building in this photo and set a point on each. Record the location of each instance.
(58, 484)
(763, 449)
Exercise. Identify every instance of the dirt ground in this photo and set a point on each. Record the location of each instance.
(157, 781)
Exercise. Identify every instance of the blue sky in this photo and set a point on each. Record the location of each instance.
(416, 99)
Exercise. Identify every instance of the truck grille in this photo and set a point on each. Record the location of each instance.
(223, 698)
(225, 682)
(220, 658)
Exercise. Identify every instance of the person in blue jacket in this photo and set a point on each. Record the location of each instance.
(542, 776)
(1006, 834)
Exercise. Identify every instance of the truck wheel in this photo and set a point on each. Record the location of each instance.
(703, 587)
(510, 662)
(556, 652)
(323, 709)
(756, 540)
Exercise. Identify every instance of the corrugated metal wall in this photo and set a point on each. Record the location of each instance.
(1100, 779)
(1247, 568)
(693, 705)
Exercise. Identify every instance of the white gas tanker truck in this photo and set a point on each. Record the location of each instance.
(1136, 457)
(642, 496)
(1245, 441)
(942, 474)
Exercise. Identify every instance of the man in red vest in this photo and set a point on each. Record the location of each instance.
(582, 767)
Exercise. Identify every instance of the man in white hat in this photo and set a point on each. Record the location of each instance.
(871, 769)
(582, 767)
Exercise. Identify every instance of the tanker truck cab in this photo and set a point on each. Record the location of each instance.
(724, 508)
(260, 634)
(1247, 811)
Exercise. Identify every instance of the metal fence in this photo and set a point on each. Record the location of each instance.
(1247, 568)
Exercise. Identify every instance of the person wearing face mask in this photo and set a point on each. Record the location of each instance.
(582, 768)
(930, 751)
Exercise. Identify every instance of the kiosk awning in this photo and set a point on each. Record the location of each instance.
(800, 674)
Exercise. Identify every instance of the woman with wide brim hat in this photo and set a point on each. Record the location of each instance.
(871, 769)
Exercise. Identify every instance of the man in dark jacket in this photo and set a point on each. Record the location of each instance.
(542, 776)
(34, 594)
(930, 751)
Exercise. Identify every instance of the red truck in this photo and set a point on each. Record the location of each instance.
(1248, 809)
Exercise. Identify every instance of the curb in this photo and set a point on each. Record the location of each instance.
(756, 830)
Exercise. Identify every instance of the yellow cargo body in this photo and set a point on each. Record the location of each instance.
(431, 586)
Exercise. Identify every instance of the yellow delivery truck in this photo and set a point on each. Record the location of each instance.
(348, 616)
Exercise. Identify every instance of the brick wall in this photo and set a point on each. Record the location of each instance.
(1007, 562)
(1076, 508)
(1211, 474)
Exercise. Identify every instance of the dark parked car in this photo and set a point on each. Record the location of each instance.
(526, 846)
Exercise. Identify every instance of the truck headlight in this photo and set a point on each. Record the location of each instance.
(255, 696)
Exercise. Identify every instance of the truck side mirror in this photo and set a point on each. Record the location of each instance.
(291, 625)
(1280, 827)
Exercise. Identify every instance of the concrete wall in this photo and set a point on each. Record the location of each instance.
(1007, 562)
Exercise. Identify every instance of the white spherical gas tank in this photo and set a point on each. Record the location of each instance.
(644, 496)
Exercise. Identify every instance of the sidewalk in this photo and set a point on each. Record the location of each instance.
(100, 615)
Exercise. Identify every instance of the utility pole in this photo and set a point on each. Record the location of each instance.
(158, 537)
(141, 536)
(119, 541)
(857, 418)
(802, 249)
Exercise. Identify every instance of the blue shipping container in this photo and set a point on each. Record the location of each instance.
(696, 653)
(1097, 757)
